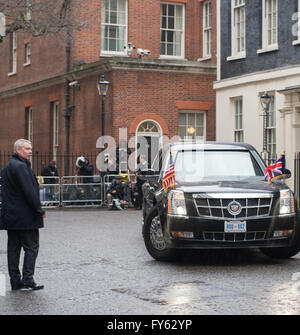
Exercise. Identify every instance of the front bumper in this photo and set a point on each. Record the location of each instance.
(209, 233)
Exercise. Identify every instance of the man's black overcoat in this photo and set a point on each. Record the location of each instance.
(21, 207)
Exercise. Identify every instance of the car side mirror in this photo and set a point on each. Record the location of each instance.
(147, 172)
(287, 174)
(148, 175)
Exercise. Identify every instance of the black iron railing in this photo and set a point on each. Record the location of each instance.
(39, 160)
(297, 177)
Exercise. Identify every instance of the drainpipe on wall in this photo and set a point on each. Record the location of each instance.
(67, 111)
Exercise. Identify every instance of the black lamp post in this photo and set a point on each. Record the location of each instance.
(265, 100)
(102, 86)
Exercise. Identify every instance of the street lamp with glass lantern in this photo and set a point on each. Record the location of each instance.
(102, 87)
(265, 101)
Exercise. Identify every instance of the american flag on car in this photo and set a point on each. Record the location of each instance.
(169, 176)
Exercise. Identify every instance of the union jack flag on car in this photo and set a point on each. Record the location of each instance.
(275, 170)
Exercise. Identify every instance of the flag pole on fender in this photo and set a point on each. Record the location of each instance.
(169, 175)
(275, 170)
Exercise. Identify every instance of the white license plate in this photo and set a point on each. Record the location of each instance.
(235, 227)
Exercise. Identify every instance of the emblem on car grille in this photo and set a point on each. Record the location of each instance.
(234, 208)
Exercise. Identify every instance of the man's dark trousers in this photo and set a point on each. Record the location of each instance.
(29, 241)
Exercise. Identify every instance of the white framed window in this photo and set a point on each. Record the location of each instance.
(29, 124)
(296, 25)
(114, 26)
(13, 54)
(238, 120)
(269, 26)
(28, 6)
(27, 54)
(270, 129)
(207, 14)
(55, 129)
(192, 125)
(238, 29)
(172, 20)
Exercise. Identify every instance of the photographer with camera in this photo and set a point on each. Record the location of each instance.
(86, 170)
(116, 195)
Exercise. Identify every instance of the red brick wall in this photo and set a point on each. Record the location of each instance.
(143, 29)
(137, 93)
(49, 53)
(47, 60)
(131, 94)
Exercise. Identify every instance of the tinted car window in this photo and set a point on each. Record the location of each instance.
(196, 166)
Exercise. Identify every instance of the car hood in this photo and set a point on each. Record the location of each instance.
(248, 185)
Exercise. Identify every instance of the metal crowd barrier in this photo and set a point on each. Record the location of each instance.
(50, 194)
(81, 191)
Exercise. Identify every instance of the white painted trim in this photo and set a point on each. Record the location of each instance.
(296, 42)
(258, 76)
(183, 32)
(237, 56)
(218, 39)
(204, 40)
(265, 45)
(274, 47)
(234, 53)
(158, 134)
(203, 59)
(109, 53)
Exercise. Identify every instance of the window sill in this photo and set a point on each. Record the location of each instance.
(171, 57)
(204, 59)
(236, 57)
(113, 54)
(26, 64)
(268, 49)
(296, 42)
(12, 74)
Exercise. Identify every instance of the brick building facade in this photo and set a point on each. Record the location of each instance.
(169, 92)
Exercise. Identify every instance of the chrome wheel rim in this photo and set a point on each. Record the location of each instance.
(156, 234)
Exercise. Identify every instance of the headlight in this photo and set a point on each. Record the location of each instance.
(176, 203)
(287, 202)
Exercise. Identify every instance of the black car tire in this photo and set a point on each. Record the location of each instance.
(154, 238)
(285, 252)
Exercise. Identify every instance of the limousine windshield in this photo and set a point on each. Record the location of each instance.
(197, 166)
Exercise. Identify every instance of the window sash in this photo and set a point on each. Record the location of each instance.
(28, 53)
(207, 29)
(270, 26)
(56, 124)
(114, 26)
(238, 121)
(238, 27)
(270, 129)
(195, 120)
(298, 21)
(172, 30)
(13, 57)
(28, 6)
(30, 124)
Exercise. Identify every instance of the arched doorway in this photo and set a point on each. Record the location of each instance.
(149, 137)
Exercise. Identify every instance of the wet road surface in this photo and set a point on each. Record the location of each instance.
(95, 262)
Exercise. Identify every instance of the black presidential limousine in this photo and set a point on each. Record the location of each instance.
(220, 200)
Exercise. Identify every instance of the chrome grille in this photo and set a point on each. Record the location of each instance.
(216, 205)
(234, 237)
